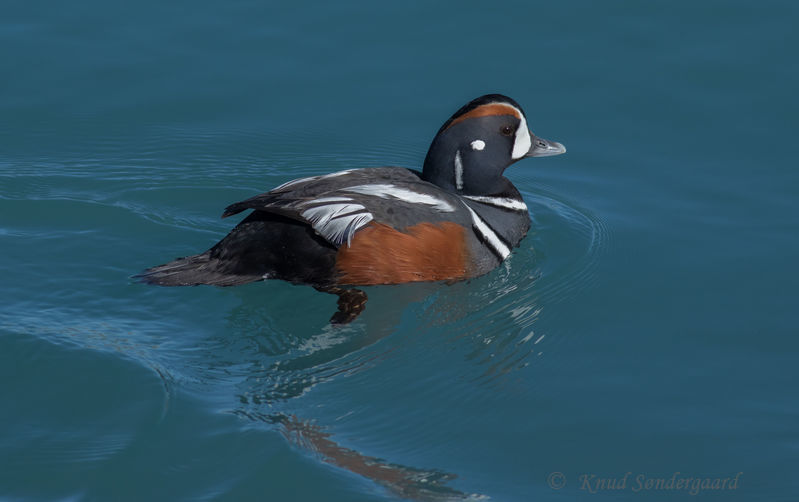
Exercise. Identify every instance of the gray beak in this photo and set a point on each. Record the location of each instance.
(544, 148)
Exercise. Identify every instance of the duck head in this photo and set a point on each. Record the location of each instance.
(475, 146)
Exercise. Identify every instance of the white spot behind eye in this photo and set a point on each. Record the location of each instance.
(478, 144)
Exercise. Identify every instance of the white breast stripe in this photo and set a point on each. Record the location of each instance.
(336, 218)
(458, 170)
(489, 235)
(385, 191)
(503, 202)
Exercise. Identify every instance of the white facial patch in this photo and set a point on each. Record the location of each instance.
(523, 142)
(478, 144)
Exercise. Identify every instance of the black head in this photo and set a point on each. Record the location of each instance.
(474, 147)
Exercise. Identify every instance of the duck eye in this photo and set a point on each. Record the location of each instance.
(506, 130)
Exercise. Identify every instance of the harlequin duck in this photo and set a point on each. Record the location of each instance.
(457, 218)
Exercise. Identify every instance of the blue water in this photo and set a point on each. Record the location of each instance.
(647, 324)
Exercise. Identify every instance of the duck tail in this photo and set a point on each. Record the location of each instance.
(192, 271)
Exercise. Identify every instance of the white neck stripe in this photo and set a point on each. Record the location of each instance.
(458, 171)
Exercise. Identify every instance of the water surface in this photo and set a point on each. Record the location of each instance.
(645, 325)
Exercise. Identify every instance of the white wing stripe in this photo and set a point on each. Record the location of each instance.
(293, 182)
(337, 221)
(350, 213)
(355, 223)
(310, 178)
(325, 200)
(320, 215)
(337, 217)
(338, 173)
(385, 191)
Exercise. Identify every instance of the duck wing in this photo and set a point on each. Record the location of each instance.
(338, 205)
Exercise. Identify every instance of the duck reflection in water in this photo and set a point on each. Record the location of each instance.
(291, 351)
(407, 482)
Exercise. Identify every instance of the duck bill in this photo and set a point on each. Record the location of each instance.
(544, 148)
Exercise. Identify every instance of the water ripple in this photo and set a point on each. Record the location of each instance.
(266, 351)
